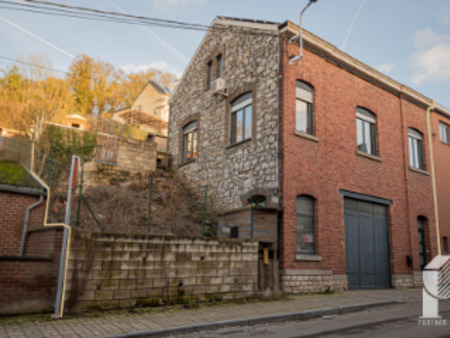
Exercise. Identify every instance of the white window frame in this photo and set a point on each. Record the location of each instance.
(416, 151)
(304, 93)
(367, 117)
(235, 108)
(190, 129)
(444, 132)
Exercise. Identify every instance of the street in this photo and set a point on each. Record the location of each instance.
(393, 321)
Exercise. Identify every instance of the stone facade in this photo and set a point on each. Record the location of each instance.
(249, 64)
(111, 271)
(312, 281)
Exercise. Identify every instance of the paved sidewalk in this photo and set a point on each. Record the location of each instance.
(124, 323)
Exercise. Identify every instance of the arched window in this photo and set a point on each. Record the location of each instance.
(415, 142)
(241, 118)
(304, 119)
(366, 131)
(190, 142)
(421, 223)
(306, 224)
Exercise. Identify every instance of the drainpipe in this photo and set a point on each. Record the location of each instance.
(433, 177)
(25, 223)
(299, 35)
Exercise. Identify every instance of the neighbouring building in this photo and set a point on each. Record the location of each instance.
(440, 123)
(75, 121)
(339, 148)
(149, 112)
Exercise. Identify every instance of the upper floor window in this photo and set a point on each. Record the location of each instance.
(416, 158)
(210, 73)
(304, 108)
(366, 131)
(444, 129)
(219, 65)
(190, 142)
(306, 219)
(241, 118)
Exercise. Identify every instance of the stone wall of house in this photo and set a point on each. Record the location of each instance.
(115, 271)
(250, 59)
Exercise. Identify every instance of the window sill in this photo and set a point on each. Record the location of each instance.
(186, 163)
(239, 143)
(307, 136)
(370, 157)
(419, 171)
(308, 258)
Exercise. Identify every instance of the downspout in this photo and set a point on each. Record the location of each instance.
(433, 177)
(25, 224)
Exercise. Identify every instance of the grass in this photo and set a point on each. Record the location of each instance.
(13, 173)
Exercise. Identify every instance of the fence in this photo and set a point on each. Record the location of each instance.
(108, 126)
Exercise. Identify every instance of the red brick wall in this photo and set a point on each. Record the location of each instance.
(28, 284)
(12, 215)
(321, 168)
(442, 170)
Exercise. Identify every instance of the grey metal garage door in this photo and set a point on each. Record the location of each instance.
(367, 245)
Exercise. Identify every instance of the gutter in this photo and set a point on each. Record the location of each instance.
(25, 224)
(433, 175)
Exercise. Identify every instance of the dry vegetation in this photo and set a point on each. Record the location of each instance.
(176, 209)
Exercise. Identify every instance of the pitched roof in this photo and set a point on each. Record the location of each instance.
(14, 177)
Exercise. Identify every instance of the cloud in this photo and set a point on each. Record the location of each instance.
(160, 65)
(385, 68)
(171, 6)
(431, 58)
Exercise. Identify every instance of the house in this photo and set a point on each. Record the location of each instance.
(339, 148)
(149, 112)
(440, 124)
(75, 121)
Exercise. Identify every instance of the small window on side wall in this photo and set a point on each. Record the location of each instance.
(219, 65)
(415, 143)
(444, 132)
(190, 142)
(366, 131)
(241, 118)
(304, 119)
(306, 237)
(210, 73)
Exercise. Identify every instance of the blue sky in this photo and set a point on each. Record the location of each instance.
(408, 40)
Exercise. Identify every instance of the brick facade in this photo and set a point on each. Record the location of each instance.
(319, 165)
(12, 215)
(442, 165)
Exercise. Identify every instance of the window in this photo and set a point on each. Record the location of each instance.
(366, 131)
(219, 66)
(258, 200)
(416, 159)
(445, 245)
(306, 243)
(443, 128)
(422, 251)
(210, 73)
(190, 142)
(241, 118)
(304, 108)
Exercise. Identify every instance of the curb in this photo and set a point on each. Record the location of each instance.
(302, 315)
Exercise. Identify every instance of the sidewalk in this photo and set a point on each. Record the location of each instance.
(126, 323)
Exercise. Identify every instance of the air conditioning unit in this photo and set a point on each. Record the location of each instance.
(219, 86)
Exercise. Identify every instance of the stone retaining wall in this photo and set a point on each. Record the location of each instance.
(109, 271)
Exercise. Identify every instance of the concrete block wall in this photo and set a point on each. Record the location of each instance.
(117, 271)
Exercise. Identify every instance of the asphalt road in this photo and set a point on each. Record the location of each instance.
(394, 321)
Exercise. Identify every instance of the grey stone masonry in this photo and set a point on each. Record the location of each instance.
(112, 270)
(250, 64)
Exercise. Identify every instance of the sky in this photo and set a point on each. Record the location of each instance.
(408, 40)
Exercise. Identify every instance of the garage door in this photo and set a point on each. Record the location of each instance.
(367, 244)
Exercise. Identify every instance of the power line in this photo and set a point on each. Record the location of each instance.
(33, 64)
(45, 7)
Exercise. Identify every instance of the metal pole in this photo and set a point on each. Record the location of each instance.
(204, 211)
(62, 262)
(251, 215)
(149, 218)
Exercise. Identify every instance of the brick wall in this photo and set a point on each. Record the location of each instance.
(111, 271)
(12, 216)
(320, 167)
(442, 169)
(28, 284)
